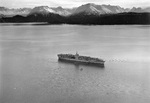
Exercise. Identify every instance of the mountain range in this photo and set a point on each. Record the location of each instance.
(89, 8)
(85, 14)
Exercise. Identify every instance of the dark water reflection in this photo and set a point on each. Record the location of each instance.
(31, 73)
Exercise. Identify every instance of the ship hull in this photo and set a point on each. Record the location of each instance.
(81, 62)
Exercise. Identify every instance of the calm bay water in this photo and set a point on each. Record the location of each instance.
(30, 72)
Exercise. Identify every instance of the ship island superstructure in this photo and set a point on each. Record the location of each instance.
(80, 59)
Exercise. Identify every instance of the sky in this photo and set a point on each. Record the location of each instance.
(72, 3)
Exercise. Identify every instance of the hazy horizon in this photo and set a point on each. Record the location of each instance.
(72, 3)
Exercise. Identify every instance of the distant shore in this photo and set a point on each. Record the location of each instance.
(81, 19)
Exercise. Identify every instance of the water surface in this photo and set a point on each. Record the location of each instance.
(30, 72)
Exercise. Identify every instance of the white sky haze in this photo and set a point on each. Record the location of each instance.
(72, 3)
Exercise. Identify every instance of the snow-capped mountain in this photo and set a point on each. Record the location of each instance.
(87, 9)
(42, 10)
(138, 10)
(12, 12)
(71, 10)
(91, 8)
(113, 9)
(45, 10)
(61, 11)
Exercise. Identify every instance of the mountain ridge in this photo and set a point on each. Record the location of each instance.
(89, 8)
(87, 14)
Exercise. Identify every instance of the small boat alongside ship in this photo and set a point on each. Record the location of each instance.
(80, 59)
